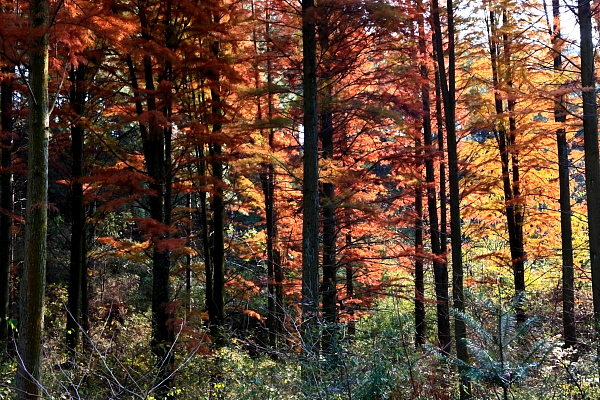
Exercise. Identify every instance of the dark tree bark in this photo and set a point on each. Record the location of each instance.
(275, 313)
(274, 268)
(273, 258)
(218, 241)
(77, 268)
(419, 270)
(440, 269)
(509, 154)
(33, 284)
(188, 257)
(273, 253)
(518, 247)
(310, 185)
(447, 82)
(6, 195)
(351, 325)
(218, 207)
(155, 149)
(329, 284)
(566, 230)
(154, 157)
(443, 195)
(206, 229)
(592, 159)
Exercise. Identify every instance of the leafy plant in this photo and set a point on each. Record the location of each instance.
(502, 355)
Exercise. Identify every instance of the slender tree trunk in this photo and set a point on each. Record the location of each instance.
(218, 242)
(77, 263)
(440, 269)
(85, 295)
(218, 206)
(329, 284)
(155, 157)
(272, 231)
(448, 96)
(592, 160)
(566, 230)
(33, 284)
(419, 270)
(310, 185)
(509, 157)
(272, 323)
(351, 325)
(266, 180)
(6, 193)
(518, 247)
(274, 271)
(188, 257)
(443, 197)
(206, 229)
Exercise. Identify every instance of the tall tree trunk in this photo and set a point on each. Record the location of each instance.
(440, 269)
(592, 159)
(351, 325)
(90, 230)
(218, 243)
(188, 257)
(274, 271)
(267, 184)
(77, 262)
(274, 268)
(155, 158)
(272, 317)
(310, 185)
(272, 231)
(566, 230)
(33, 284)
(509, 157)
(206, 229)
(329, 284)
(6, 193)
(447, 82)
(518, 247)
(443, 197)
(419, 270)
(217, 205)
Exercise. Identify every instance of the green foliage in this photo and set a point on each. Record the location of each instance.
(379, 362)
(7, 374)
(502, 350)
(391, 371)
(232, 374)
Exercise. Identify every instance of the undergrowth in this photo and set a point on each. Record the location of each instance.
(379, 362)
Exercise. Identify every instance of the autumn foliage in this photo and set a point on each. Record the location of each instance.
(179, 190)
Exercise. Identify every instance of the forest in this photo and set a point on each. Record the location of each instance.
(273, 199)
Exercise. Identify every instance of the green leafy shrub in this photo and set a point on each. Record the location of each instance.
(502, 350)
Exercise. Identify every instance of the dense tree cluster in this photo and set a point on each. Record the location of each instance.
(191, 177)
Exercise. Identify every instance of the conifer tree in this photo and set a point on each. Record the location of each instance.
(440, 269)
(6, 193)
(447, 81)
(566, 230)
(33, 284)
(78, 268)
(310, 184)
(592, 158)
